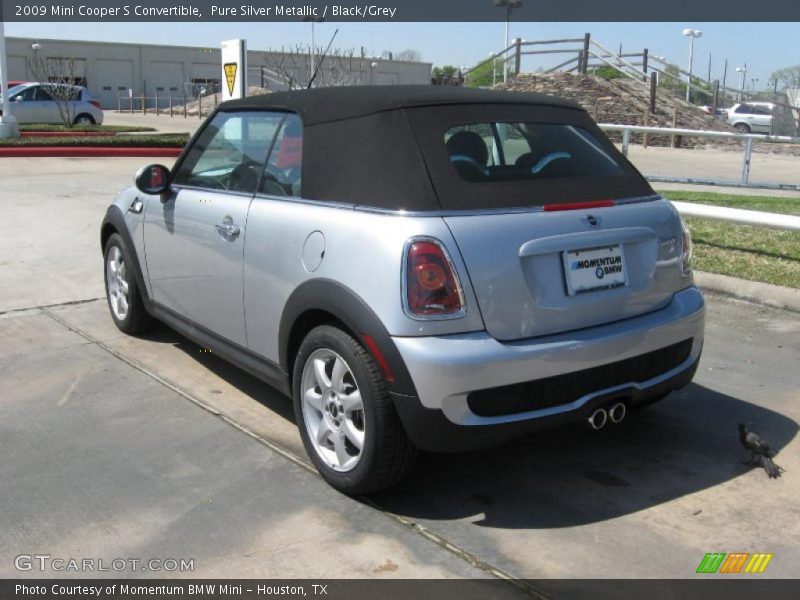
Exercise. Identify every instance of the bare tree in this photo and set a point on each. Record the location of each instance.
(294, 67)
(410, 54)
(58, 76)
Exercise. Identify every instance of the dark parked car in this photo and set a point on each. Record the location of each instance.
(417, 267)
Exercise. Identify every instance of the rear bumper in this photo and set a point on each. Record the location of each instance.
(446, 369)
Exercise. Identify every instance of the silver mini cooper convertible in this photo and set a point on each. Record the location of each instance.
(424, 268)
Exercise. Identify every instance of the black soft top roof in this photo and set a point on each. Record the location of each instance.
(384, 147)
(321, 105)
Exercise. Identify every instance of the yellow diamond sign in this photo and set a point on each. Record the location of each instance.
(230, 75)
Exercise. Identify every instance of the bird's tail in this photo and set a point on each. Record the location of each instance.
(773, 471)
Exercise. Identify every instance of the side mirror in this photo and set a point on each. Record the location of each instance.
(153, 179)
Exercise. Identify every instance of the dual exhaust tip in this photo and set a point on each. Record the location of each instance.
(600, 417)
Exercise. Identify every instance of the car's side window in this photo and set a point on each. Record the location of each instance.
(744, 109)
(284, 167)
(29, 94)
(230, 152)
(42, 95)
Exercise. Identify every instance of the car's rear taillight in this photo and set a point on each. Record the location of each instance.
(431, 287)
(95, 103)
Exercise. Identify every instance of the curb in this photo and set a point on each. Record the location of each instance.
(776, 296)
(86, 152)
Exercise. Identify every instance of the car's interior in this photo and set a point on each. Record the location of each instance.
(519, 151)
(238, 163)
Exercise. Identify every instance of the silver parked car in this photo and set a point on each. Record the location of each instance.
(34, 103)
(751, 117)
(416, 267)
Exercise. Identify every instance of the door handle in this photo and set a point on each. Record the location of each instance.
(227, 229)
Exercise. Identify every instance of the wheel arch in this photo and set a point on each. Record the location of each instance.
(114, 222)
(320, 301)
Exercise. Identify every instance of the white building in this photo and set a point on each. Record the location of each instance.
(112, 70)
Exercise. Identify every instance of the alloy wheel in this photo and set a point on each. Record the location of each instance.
(333, 410)
(117, 283)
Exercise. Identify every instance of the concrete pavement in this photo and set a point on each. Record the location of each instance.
(56, 205)
(163, 122)
(147, 447)
(104, 461)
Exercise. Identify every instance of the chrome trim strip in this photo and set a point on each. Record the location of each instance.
(409, 213)
(488, 211)
(176, 187)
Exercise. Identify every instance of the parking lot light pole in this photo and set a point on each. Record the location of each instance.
(313, 51)
(742, 72)
(8, 124)
(509, 5)
(691, 34)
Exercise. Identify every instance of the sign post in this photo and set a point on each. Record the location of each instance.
(234, 69)
(8, 124)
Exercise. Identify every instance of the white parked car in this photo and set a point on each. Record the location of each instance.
(751, 117)
(34, 103)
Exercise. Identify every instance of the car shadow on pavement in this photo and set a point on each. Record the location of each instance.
(574, 476)
(564, 477)
(247, 384)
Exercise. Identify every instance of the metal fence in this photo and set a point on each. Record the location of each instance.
(168, 104)
(748, 140)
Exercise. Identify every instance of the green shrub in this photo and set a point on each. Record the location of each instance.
(169, 140)
(109, 128)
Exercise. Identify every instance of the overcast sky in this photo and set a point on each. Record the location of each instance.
(764, 46)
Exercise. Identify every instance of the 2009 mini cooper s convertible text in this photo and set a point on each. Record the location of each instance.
(417, 267)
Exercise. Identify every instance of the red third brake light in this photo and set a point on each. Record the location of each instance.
(578, 205)
(432, 288)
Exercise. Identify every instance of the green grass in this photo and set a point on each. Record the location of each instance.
(114, 128)
(168, 140)
(754, 253)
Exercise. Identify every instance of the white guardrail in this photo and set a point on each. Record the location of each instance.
(747, 138)
(720, 213)
(737, 215)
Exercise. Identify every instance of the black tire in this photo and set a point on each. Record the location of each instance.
(77, 120)
(742, 127)
(387, 454)
(136, 320)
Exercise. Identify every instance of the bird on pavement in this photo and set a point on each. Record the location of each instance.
(760, 452)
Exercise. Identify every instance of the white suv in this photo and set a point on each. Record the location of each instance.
(751, 117)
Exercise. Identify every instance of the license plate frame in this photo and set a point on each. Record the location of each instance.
(588, 270)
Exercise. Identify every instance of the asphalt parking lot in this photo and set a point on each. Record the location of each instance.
(148, 447)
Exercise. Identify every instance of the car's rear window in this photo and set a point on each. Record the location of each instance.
(508, 151)
(496, 156)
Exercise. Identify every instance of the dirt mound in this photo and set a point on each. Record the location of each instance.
(621, 101)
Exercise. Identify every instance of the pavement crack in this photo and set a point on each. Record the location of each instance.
(43, 307)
